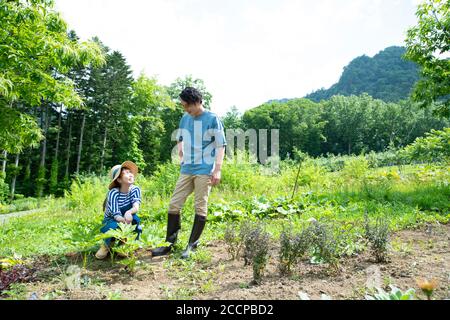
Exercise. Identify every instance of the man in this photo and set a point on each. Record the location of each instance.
(201, 148)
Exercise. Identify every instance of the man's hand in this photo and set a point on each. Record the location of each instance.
(180, 150)
(215, 179)
(128, 217)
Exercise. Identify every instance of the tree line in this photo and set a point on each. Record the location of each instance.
(339, 125)
(69, 107)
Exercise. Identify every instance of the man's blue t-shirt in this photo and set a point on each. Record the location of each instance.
(201, 136)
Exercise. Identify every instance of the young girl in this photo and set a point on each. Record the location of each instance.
(121, 204)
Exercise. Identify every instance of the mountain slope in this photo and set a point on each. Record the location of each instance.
(386, 76)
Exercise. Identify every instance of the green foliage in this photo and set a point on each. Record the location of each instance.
(82, 236)
(54, 177)
(428, 44)
(163, 180)
(232, 119)
(300, 122)
(233, 240)
(256, 253)
(40, 181)
(386, 76)
(87, 194)
(150, 101)
(36, 55)
(125, 244)
(378, 236)
(179, 84)
(293, 246)
(325, 244)
(355, 169)
(342, 125)
(4, 189)
(434, 147)
(395, 294)
(19, 130)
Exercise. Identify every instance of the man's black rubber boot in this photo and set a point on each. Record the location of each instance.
(197, 229)
(173, 226)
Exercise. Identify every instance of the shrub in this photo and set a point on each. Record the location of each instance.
(355, 168)
(325, 244)
(435, 146)
(87, 193)
(378, 236)
(4, 189)
(256, 249)
(292, 247)
(233, 240)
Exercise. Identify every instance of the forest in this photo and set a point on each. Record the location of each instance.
(362, 186)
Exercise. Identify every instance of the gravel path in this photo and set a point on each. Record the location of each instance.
(6, 216)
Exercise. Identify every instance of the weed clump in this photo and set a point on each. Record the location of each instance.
(233, 240)
(256, 253)
(293, 246)
(325, 244)
(377, 234)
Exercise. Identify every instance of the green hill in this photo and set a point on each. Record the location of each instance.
(386, 76)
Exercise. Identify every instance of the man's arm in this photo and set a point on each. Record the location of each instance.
(216, 175)
(180, 150)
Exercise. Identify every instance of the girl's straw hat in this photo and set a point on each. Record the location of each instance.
(117, 169)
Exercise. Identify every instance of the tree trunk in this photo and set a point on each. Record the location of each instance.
(5, 156)
(103, 150)
(41, 170)
(91, 148)
(13, 183)
(58, 134)
(80, 145)
(66, 175)
(44, 141)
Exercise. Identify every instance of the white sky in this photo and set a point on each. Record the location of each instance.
(246, 51)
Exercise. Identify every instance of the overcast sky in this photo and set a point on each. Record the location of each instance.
(246, 51)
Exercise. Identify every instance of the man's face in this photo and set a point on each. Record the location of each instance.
(189, 108)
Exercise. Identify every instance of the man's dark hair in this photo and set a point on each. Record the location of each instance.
(191, 95)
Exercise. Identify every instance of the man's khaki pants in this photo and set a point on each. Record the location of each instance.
(186, 184)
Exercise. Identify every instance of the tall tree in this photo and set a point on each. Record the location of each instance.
(35, 55)
(428, 44)
(150, 102)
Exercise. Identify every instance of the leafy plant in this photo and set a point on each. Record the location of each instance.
(378, 236)
(125, 244)
(325, 245)
(17, 273)
(82, 236)
(395, 294)
(292, 247)
(257, 250)
(233, 240)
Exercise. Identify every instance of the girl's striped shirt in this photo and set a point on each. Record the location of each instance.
(118, 200)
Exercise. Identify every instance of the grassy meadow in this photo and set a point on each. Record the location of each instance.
(340, 197)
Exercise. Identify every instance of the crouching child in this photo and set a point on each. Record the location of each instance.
(121, 204)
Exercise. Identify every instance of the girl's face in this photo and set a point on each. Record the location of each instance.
(126, 176)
